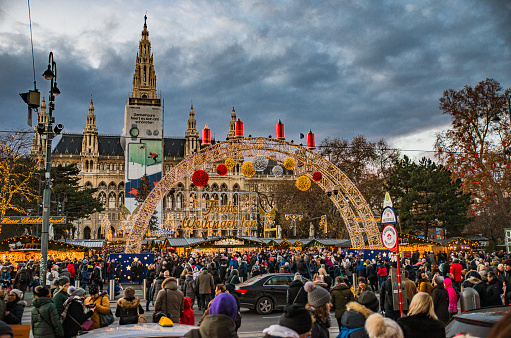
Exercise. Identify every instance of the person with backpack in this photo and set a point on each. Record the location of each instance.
(354, 318)
(22, 280)
(128, 307)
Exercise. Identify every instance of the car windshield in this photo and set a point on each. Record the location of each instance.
(252, 280)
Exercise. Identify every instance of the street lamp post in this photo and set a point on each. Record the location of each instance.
(47, 132)
(293, 218)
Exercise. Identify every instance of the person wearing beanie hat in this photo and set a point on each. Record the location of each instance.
(379, 327)
(60, 295)
(369, 300)
(341, 295)
(220, 321)
(128, 307)
(14, 307)
(75, 312)
(101, 305)
(5, 330)
(45, 317)
(319, 302)
(295, 322)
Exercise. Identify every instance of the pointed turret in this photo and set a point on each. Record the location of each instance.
(232, 125)
(90, 135)
(191, 135)
(39, 144)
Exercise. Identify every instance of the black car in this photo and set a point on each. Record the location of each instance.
(266, 293)
(478, 322)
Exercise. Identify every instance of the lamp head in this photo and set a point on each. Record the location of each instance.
(48, 74)
(56, 91)
(58, 129)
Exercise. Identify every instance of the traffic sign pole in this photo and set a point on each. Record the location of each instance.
(399, 278)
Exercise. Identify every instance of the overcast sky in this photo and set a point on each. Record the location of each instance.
(340, 68)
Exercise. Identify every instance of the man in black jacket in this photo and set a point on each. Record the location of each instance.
(296, 294)
(494, 290)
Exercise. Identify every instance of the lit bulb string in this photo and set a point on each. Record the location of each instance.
(348, 201)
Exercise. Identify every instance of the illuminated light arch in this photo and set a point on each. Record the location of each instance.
(349, 201)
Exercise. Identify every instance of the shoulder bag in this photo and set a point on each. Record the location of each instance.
(158, 315)
(105, 320)
(141, 317)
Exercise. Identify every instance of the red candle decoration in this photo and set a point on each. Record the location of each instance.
(200, 178)
(206, 136)
(311, 144)
(280, 131)
(239, 129)
(317, 176)
(221, 169)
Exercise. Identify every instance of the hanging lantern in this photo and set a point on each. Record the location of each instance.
(200, 178)
(317, 176)
(239, 129)
(221, 169)
(311, 144)
(260, 163)
(280, 131)
(206, 136)
(289, 163)
(277, 171)
(229, 163)
(303, 183)
(247, 169)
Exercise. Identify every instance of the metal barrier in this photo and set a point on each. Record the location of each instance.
(145, 289)
(111, 295)
(469, 299)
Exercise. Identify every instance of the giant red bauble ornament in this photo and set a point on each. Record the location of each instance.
(200, 178)
(221, 169)
(317, 176)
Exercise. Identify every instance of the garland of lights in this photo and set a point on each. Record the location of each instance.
(277, 171)
(317, 176)
(303, 183)
(229, 163)
(200, 178)
(221, 169)
(289, 163)
(260, 163)
(247, 169)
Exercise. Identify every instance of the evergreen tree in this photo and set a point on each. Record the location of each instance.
(426, 198)
(143, 191)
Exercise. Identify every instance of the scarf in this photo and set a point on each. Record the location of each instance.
(68, 302)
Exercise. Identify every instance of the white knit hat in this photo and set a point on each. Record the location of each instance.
(379, 327)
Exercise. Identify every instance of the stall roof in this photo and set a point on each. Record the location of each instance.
(28, 242)
(88, 243)
(455, 239)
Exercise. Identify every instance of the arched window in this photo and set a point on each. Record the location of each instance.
(111, 201)
(86, 233)
(214, 187)
(121, 186)
(102, 198)
(112, 186)
(170, 201)
(236, 187)
(235, 199)
(88, 185)
(223, 187)
(102, 185)
(224, 199)
(121, 199)
(179, 200)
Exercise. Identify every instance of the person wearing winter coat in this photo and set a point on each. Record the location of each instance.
(440, 298)
(54, 282)
(128, 307)
(187, 316)
(295, 321)
(22, 279)
(341, 295)
(410, 287)
(382, 273)
(84, 277)
(320, 302)
(354, 318)
(170, 299)
(45, 317)
(205, 285)
(372, 278)
(61, 295)
(361, 269)
(425, 285)
(234, 278)
(100, 303)
(157, 285)
(456, 269)
(362, 286)
(74, 312)
(71, 268)
(189, 288)
(473, 280)
(14, 307)
(494, 290)
(295, 292)
(421, 321)
(220, 322)
(453, 298)
(378, 326)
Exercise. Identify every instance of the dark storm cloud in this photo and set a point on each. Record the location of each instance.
(340, 68)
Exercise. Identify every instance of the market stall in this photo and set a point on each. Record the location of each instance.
(228, 244)
(23, 248)
(410, 243)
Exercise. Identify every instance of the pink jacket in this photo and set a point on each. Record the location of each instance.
(453, 299)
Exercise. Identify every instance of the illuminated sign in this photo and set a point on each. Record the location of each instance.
(31, 220)
(210, 218)
(229, 242)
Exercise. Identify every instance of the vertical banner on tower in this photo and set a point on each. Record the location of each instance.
(143, 132)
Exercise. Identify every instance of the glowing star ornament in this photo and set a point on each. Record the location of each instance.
(247, 169)
(277, 171)
(229, 163)
(317, 176)
(260, 163)
(200, 178)
(221, 169)
(303, 183)
(289, 163)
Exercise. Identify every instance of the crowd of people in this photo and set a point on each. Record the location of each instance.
(358, 291)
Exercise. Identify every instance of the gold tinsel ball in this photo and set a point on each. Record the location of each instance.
(289, 163)
(303, 183)
(229, 163)
(247, 169)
